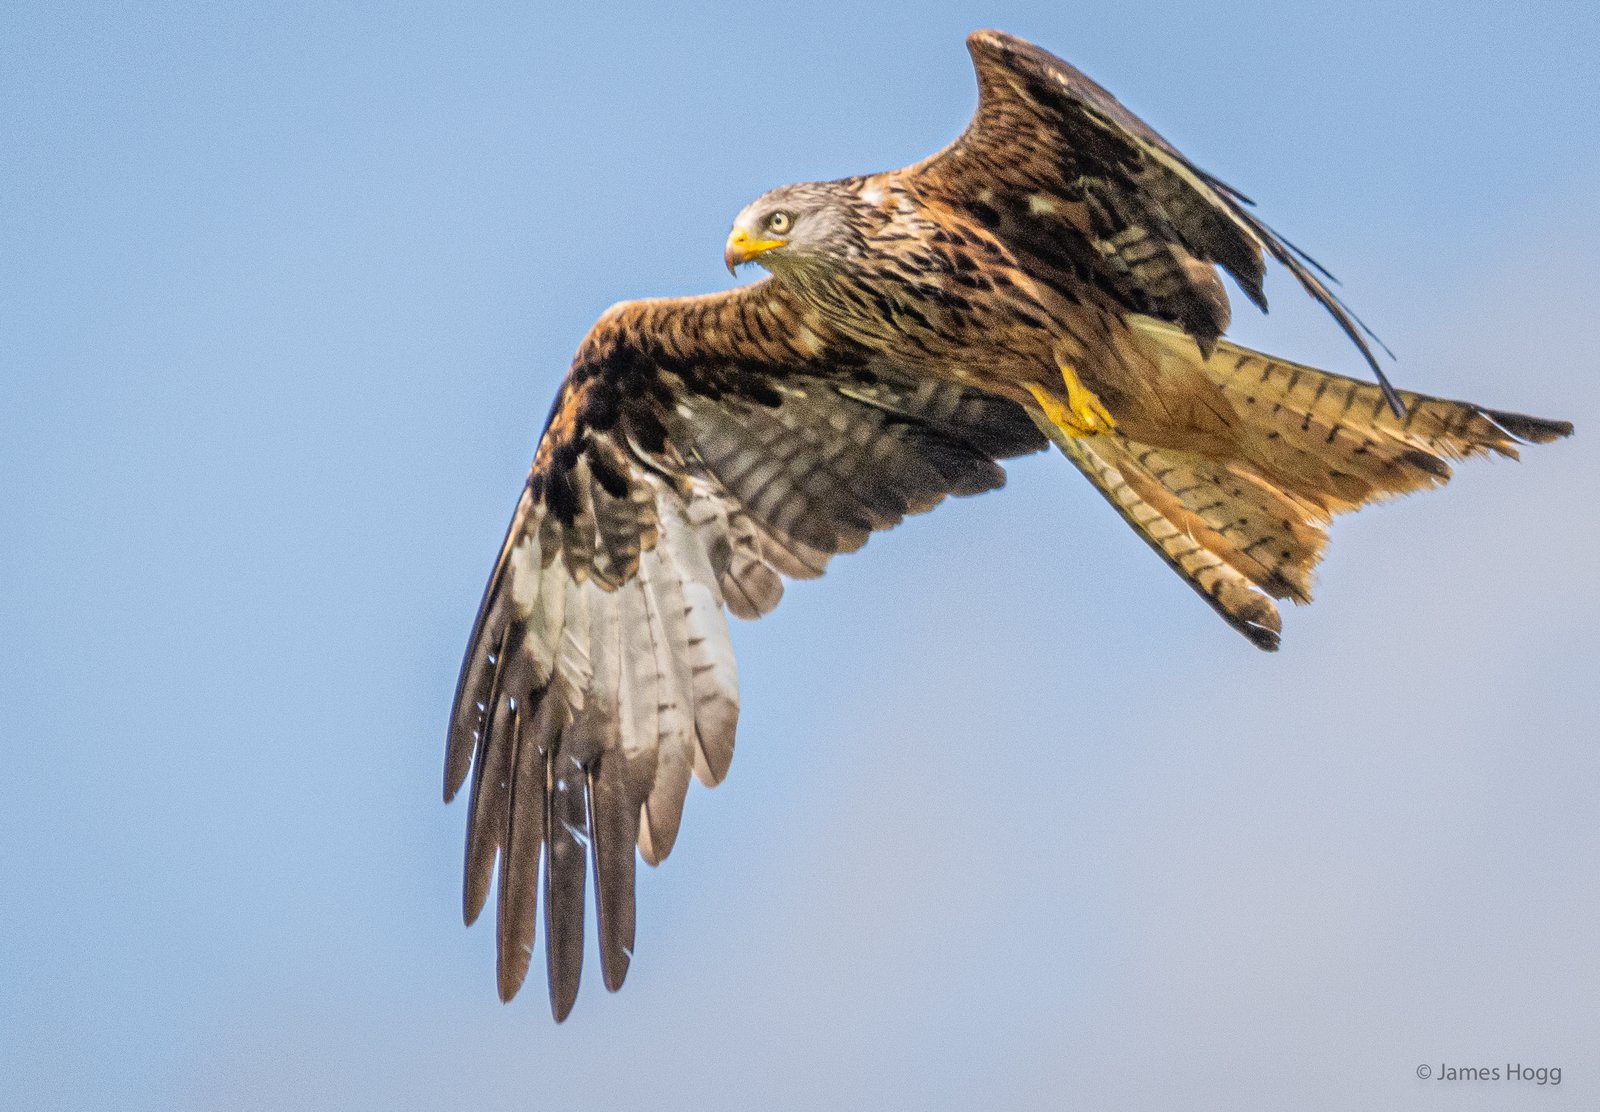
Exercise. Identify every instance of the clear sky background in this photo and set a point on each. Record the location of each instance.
(1014, 822)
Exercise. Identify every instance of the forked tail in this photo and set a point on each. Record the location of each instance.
(1245, 530)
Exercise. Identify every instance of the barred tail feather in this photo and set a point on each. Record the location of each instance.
(1248, 526)
(1337, 439)
(1133, 478)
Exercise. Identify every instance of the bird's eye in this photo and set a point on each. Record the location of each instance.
(779, 222)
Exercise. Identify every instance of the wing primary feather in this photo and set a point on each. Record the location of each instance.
(566, 831)
(469, 715)
(1316, 266)
(479, 667)
(519, 865)
(485, 805)
(614, 828)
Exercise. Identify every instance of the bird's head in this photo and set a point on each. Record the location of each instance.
(793, 227)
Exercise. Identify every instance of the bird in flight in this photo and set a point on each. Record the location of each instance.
(1049, 277)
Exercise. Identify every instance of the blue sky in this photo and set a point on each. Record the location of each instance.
(1014, 821)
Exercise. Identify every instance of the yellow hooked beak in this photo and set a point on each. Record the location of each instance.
(741, 248)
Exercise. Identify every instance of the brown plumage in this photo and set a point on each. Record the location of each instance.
(1050, 276)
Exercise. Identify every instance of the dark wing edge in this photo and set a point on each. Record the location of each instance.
(1128, 208)
(698, 450)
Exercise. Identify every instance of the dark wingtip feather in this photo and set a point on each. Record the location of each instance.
(1260, 636)
(613, 831)
(1257, 619)
(1223, 187)
(511, 969)
(519, 864)
(472, 902)
(477, 688)
(466, 720)
(1264, 640)
(486, 810)
(465, 726)
(565, 875)
(1534, 430)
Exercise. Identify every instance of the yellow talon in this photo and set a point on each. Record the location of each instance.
(1082, 415)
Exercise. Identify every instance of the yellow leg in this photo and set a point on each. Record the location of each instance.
(1082, 415)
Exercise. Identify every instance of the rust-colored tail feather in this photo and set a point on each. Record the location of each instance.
(1334, 440)
(1133, 478)
(1250, 528)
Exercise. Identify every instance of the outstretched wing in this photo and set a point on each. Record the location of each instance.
(698, 450)
(1089, 193)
